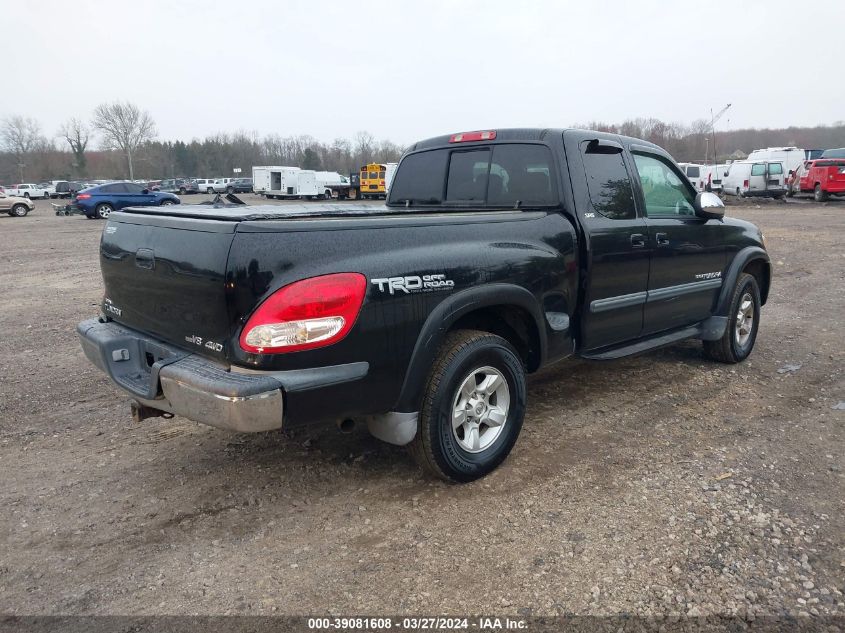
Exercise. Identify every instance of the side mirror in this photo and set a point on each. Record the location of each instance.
(145, 191)
(709, 206)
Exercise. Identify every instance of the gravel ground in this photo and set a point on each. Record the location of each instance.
(662, 484)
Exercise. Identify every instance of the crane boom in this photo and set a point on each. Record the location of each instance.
(719, 115)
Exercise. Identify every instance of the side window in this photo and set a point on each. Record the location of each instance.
(131, 187)
(775, 168)
(664, 191)
(467, 181)
(520, 172)
(609, 184)
(758, 169)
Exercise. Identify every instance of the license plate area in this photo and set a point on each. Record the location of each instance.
(134, 363)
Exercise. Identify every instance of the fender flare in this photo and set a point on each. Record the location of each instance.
(740, 261)
(445, 315)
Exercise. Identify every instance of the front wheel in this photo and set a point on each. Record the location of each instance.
(104, 211)
(209, 191)
(743, 320)
(19, 210)
(473, 406)
(167, 203)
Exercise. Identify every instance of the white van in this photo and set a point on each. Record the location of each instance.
(712, 176)
(754, 178)
(695, 173)
(791, 157)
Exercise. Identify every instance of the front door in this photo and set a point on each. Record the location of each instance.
(617, 275)
(688, 256)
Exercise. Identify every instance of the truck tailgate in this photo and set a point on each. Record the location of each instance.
(166, 275)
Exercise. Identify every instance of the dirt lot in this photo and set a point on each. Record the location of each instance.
(660, 484)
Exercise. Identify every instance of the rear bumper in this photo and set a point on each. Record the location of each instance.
(164, 377)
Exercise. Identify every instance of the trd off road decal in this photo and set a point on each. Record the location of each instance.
(413, 283)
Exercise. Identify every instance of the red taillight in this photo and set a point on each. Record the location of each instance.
(83, 196)
(467, 137)
(382, 183)
(745, 183)
(305, 315)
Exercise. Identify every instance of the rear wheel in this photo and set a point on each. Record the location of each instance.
(103, 210)
(209, 191)
(819, 194)
(473, 407)
(743, 320)
(182, 191)
(739, 193)
(230, 190)
(19, 210)
(26, 194)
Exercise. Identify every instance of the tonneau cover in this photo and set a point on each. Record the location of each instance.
(248, 213)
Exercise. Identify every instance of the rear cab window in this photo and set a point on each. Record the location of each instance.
(507, 175)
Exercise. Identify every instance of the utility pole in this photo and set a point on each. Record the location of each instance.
(713, 120)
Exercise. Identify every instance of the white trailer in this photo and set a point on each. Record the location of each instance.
(261, 177)
(291, 182)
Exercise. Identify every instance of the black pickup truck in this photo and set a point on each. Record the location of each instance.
(497, 253)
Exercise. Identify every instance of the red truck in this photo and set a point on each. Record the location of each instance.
(822, 177)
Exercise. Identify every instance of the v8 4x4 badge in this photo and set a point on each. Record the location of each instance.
(413, 283)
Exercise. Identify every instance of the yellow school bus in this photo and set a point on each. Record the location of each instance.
(375, 179)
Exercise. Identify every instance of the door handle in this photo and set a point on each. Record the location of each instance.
(638, 240)
(662, 239)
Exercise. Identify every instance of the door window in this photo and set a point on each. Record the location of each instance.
(775, 168)
(609, 184)
(758, 169)
(664, 191)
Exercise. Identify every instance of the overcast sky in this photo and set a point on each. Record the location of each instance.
(408, 70)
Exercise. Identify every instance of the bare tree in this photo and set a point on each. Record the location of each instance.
(125, 127)
(77, 134)
(20, 136)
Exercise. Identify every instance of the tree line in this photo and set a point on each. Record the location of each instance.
(119, 140)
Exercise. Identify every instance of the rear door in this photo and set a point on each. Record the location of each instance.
(688, 253)
(758, 179)
(617, 268)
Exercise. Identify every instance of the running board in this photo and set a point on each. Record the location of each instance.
(644, 345)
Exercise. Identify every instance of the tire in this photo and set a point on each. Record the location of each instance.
(103, 211)
(739, 337)
(209, 191)
(26, 195)
(819, 195)
(471, 449)
(739, 193)
(166, 203)
(19, 211)
(789, 192)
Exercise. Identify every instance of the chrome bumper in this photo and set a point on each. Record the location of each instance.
(181, 383)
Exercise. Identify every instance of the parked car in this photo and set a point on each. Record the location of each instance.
(28, 190)
(220, 184)
(695, 174)
(100, 201)
(205, 185)
(181, 186)
(755, 178)
(822, 177)
(66, 188)
(239, 185)
(16, 206)
(497, 253)
(833, 153)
